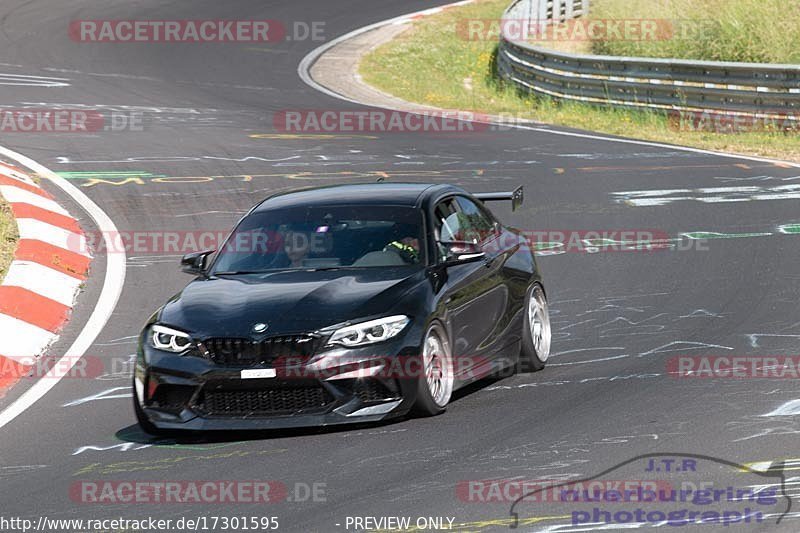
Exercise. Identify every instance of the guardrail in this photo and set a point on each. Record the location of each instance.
(748, 89)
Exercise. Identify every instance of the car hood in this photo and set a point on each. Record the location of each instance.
(287, 301)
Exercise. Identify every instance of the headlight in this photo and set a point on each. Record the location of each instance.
(369, 332)
(169, 340)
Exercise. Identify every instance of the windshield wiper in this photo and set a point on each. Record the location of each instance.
(296, 269)
(239, 272)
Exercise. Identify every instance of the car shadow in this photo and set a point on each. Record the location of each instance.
(136, 434)
(472, 388)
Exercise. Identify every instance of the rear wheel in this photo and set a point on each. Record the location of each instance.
(435, 385)
(536, 332)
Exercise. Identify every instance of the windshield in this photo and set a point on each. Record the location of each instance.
(324, 237)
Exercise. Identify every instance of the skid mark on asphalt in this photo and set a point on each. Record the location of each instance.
(11, 471)
(710, 195)
(64, 160)
(132, 177)
(130, 339)
(342, 158)
(108, 394)
(684, 346)
(726, 179)
(644, 168)
(772, 431)
(612, 358)
(311, 136)
(780, 421)
(206, 213)
(616, 316)
(583, 350)
(167, 463)
(755, 338)
(625, 155)
(151, 260)
(148, 115)
(561, 382)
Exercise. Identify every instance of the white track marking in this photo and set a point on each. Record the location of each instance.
(21, 340)
(107, 301)
(44, 281)
(31, 228)
(754, 337)
(590, 361)
(791, 408)
(304, 71)
(15, 195)
(105, 395)
(21, 80)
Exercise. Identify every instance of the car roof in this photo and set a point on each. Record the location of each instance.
(382, 193)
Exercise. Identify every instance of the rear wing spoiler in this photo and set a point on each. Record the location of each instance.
(516, 196)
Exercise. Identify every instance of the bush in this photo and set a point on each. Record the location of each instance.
(759, 31)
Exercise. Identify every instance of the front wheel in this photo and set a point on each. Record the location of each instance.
(435, 385)
(535, 331)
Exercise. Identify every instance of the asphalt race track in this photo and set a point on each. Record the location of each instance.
(618, 316)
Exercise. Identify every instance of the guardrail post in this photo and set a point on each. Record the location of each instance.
(543, 17)
(568, 9)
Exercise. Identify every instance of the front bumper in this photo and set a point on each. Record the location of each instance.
(335, 386)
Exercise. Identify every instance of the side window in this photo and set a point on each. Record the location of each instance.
(474, 224)
(446, 225)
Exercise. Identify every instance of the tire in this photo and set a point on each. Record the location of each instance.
(435, 385)
(536, 333)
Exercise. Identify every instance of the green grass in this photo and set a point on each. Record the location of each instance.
(756, 31)
(434, 64)
(8, 237)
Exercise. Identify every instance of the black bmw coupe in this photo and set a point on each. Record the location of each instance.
(351, 303)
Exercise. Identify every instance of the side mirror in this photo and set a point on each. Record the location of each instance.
(195, 262)
(460, 252)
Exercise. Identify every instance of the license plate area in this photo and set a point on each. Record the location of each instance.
(258, 373)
